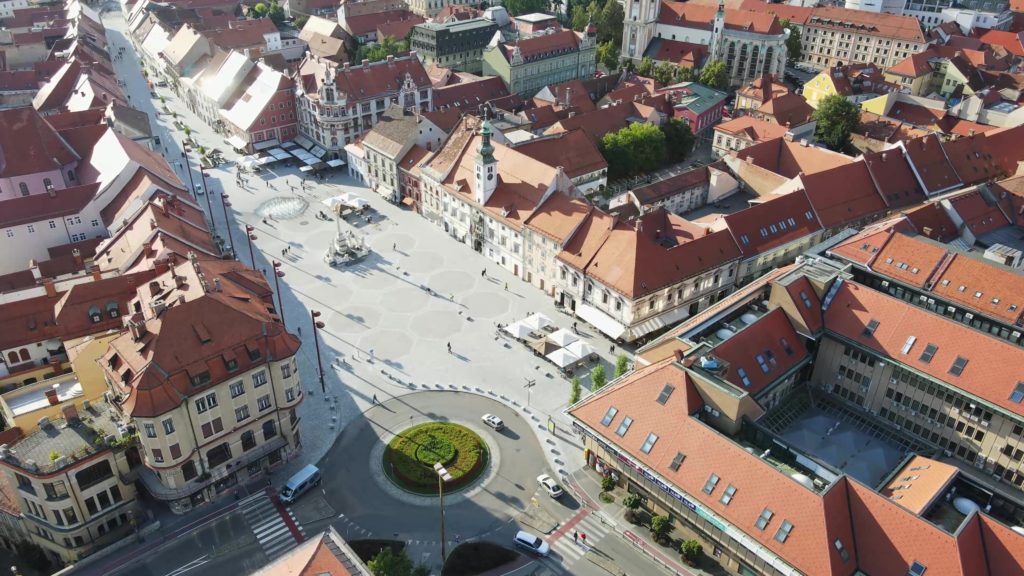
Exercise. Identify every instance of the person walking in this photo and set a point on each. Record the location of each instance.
(506, 286)
(583, 537)
(575, 536)
(449, 347)
(374, 398)
(483, 273)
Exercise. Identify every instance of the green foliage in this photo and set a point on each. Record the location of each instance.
(606, 497)
(632, 501)
(685, 74)
(607, 483)
(575, 389)
(638, 148)
(520, 7)
(388, 563)
(260, 10)
(621, 365)
(411, 455)
(715, 75)
(608, 55)
(645, 67)
(598, 378)
(793, 48)
(679, 140)
(661, 526)
(609, 22)
(837, 118)
(187, 131)
(584, 15)
(380, 50)
(54, 455)
(665, 73)
(691, 550)
(628, 65)
(300, 21)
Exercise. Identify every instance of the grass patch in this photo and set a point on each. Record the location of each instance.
(368, 549)
(476, 558)
(410, 457)
(606, 497)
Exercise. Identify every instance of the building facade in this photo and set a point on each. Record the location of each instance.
(458, 45)
(551, 57)
(835, 36)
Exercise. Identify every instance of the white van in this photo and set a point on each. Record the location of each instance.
(303, 480)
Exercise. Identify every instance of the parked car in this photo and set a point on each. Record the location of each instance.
(493, 421)
(532, 543)
(549, 484)
(161, 83)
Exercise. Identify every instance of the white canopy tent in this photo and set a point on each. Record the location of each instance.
(537, 321)
(581, 349)
(563, 358)
(562, 337)
(517, 330)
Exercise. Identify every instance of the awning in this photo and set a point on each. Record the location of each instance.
(603, 322)
(318, 152)
(306, 169)
(264, 144)
(304, 142)
(335, 163)
(289, 145)
(562, 337)
(236, 142)
(408, 201)
(666, 319)
(563, 358)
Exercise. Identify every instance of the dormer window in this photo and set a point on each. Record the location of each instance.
(112, 310)
(94, 314)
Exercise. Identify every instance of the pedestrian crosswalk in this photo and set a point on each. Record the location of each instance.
(568, 549)
(269, 523)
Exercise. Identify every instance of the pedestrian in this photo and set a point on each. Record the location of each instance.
(283, 252)
(374, 398)
(575, 536)
(583, 537)
(506, 286)
(300, 330)
(371, 355)
(575, 328)
(483, 273)
(612, 349)
(394, 247)
(449, 347)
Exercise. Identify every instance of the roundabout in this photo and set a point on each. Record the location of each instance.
(410, 457)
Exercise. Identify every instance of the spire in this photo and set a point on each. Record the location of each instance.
(486, 153)
(721, 7)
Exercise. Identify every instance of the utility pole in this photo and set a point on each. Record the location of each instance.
(530, 383)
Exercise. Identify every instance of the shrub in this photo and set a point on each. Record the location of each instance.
(691, 551)
(598, 378)
(410, 457)
(574, 390)
(606, 497)
(54, 455)
(607, 483)
(621, 365)
(633, 501)
(661, 526)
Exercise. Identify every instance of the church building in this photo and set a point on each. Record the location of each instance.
(750, 43)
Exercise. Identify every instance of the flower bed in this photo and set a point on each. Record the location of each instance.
(410, 457)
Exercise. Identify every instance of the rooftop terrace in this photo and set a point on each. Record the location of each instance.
(95, 428)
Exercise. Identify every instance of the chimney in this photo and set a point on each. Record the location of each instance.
(70, 413)
(51, 291)
(51, 191)
(365, 62)
(883, 156)
(76, 254)
(412, 53)
(147, 249)
(345, 66)
(51, 396)
(216, 285)
(391, 59)
(970, 133)
(97, 275)
(34, 266)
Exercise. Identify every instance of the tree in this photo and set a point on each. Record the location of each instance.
(793, 48)
(607, 483)
(575, 389)
(661, 526)
(584, 15)
(187, 131)
(300, 21)
(597, 378)
(638, 148)
(715, 75)
(520, 7)
(609, 23)
(837, 118)
(388, 563)
(34, 555)
(679, 140)
(387, 46)
(621, 365)
(685, 74)
(645, 67)
(665, 73)
(260, 9)
(275, 12)
(608, 55)
(691, 551)
(632, 502)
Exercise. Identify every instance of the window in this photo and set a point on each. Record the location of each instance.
(218, 455)
(624, 426)
(649, 443)
(241, 413)
(929, 353)
(150, 430)
(743, 377)
(764, 519)
(286, 371)
(24, 188)
(200, 405)
(55, 490)
(289, 394)
(665, 393)
(869, 330)
(212, 427)
(168, 426)
(917, 569)
(709, 486)
(609, 415)
(1018, 393)
(259, 379)
(783, 532)
(908, 344)
(175, 451)
(237, 389)
(806, 299)
(730, 491)
(786, 347)
(762, 363)
(248, 440)
(158, 456)
(677, 461)
(200, 379)
(958, 366)
(231, 364)
(269, 430)
(94, 474)
(263, 402)
(843, 553)
(71, 516)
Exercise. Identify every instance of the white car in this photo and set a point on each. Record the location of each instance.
(549, 484)
(493, 421)
(532, 543)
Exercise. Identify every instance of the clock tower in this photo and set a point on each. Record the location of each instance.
(486, 165)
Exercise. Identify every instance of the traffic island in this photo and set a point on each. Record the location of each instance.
(409, 458)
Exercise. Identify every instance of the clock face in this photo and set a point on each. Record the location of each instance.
(490, 176)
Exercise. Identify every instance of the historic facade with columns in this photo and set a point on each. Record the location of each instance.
(750, 43)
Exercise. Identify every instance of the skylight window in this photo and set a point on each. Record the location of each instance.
(784, 530)
(649, 443)
(786, 347)
(677, 461)
(869, 330)
(805, 298)
(624, 426)
(995, 300)
(609, 415)
(665, 393)
(792, 222)
(977, 294)
(764, 519)
(745, 239)
(917, 569)
(929, 353)
(809, 215)
(888, 260)
(958, 366)
(908, 344)
(945, 282)
(962, 288)
(843, 552)
(743, 377)
(730, 491)
(761, 362)
(709, 486)
(1018, 393)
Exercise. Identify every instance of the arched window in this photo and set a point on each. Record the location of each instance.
(94, 314)
(269, 430)
(25, 357)
(12, 357)
(24, 188)
(112, 310)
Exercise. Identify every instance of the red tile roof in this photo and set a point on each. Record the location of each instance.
(979, 212)
(913, 66)
(469, 95)
(399, 29)
(1002, 289)
(903, 28)
(810, 311)
(38, 207)
(703, 16)
(650, 194)
(909, 260)
(377, 79)
(763, 339)
(763, 88)
(571, 150)
(932, 221)
(787, 110)
(931, 164)
(1013, 42)
(73, 310)
(1004, 548)
(558, 217)
(19, 80)
(367, 23)
(893, 177)
(543, 46)
(28, 145)
(685, 54)
(991, 371)
(751, 128)
(767, 225)
(796, 14)
(788, 159)
(28, 321)
(843, 194)
(574, 90)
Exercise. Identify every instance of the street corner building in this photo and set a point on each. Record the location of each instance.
(550, 56)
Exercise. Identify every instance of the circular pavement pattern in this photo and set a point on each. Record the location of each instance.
(357, 319)
(386, 343)
(451, 281)
(282, 208)
(424, 262)
(401, 300)
(486, 304)
(436, 324)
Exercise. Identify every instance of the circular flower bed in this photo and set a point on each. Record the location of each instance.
(410, 457)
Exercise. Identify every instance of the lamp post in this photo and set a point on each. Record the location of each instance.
(188, 167)
(249, 237)
(278, 273)
(442, 477)
(224, 206)
(317, 325)
(529, 386)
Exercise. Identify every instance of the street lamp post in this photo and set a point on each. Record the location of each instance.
(224, 206)
(317, 325)
(442, 477)
(188, 167)
(206, 192)
(249, 237)
(278, 273)
(529, 387)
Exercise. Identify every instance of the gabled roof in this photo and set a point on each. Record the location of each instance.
(74, 310)
(893, 178)
(542, 46)
(767, 225)
(770, 342)
(913, 66)
(649, 194)
(684, 54)
(571, 150)
(377, 79)
(29, 145)
(28, 321)
(763, 88)
(932, 221)
(469, 95)
(904, 28)
(39, 207)
(574, 93)
(751, 128)
(787, 110)
(979, 210)
(1013, 42)
(909, 260)
(993, 366)
(931, 164)
(364, 24)
(843, 194)
(690, 15)
(789, 159)
(558, 217)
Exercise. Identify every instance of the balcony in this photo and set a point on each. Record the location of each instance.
(158, 490)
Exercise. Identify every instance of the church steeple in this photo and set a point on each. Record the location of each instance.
(486, 164)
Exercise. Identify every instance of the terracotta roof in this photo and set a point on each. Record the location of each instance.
(469, 95)
(685, 54)
(1004, 548)
(28, 321)
(366, 23)
(571, 150)
(574, 90)
(796, 14)
(932, 221)
(398, 29)
(1001, 288)
(843, 194)
(905, 28)
(192, 338)
(446, 119)
(601, 121)
(19, 80)
(542, 46)
(979, 211)
(179, 229)
(893, 177)
(788, 159)
(240, 34)
(38, 207)
(767, 225)
(766, 339)
(913, 66)
(763, 88)
(648, 194)
(885, 128)
(326, 554)
(558, 217)
(74, 310)
(931, 164)
(29, 145)
(787, 110)
(1013, 42)
(909, 260)
(809, 308)
(751, 128)
(457, 12)
(689, 15)
(991, 372)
